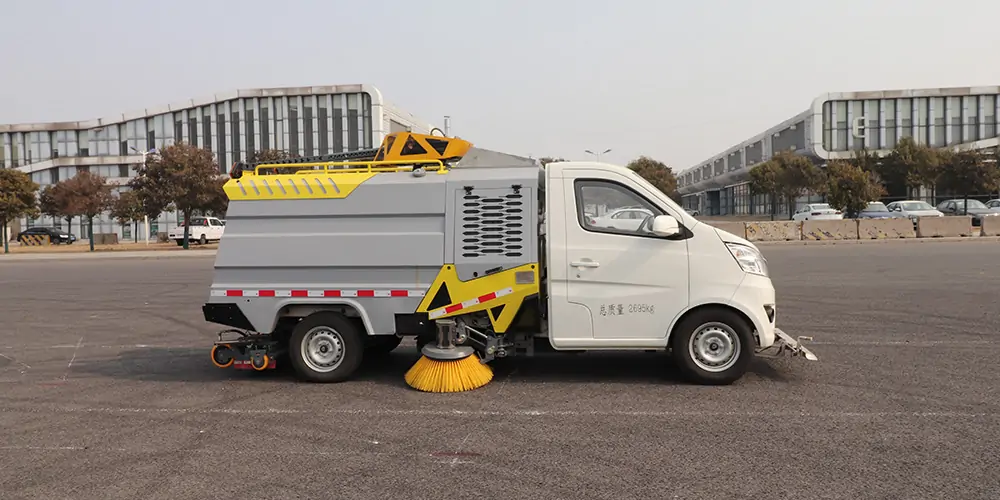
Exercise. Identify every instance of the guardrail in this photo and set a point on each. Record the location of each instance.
(860, 229)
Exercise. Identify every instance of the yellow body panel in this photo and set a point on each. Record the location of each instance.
(299, 186)
(465, 296)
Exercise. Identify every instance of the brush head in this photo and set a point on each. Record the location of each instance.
(456, 375)
(446, 353)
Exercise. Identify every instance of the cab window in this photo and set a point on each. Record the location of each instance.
(609, 207)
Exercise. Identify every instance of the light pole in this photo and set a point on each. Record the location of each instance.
(145, 218)
(598, 155)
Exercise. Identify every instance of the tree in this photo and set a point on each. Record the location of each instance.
(764, 179)
(127, 208)
(797, 176)
(968, 172)
(911, 165)
(87, 195)
(656, 173)
(17, 199)
(182, 176)
(219, 202)
(850, 187)
(48, 203)
(58, 202)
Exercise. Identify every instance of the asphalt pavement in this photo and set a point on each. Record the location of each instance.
(107, 391)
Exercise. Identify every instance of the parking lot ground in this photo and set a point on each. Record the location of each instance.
(107, 391)
(81, 247)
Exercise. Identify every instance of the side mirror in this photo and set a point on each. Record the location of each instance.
(665, 225)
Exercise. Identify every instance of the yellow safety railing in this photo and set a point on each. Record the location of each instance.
(337, 167)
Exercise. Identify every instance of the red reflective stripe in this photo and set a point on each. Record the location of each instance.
(399, 293)
(366, 293)
(300, 293)
(265, 293)
(331, 293)
(488, 296)
(452, 308)
(234, 293)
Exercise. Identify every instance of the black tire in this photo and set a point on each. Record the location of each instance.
(203, 240)
(381, 345)
(180, 242)
(724, 325)
(336, 329)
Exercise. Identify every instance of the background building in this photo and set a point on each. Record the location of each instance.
(302, 120)
(834, 127)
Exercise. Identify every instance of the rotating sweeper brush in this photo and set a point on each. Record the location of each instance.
(446, 367)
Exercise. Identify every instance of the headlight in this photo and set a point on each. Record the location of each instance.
(749, 259)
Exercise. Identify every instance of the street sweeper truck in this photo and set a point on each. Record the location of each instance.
(477, 255)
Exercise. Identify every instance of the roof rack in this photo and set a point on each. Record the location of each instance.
(399, 148)
(354, 167)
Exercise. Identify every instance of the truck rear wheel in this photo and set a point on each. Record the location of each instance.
(325, 347)
(713, 346)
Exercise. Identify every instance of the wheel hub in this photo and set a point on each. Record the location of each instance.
(714, 347)
(323, 349)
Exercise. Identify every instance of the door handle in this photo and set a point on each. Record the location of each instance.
(585, 263)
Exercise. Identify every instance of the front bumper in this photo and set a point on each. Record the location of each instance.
(784, 343)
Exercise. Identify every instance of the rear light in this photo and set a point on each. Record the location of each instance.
(837, 212)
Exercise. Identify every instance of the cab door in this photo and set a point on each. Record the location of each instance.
(632, 282)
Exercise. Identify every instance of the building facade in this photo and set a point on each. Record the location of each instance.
(301, 120)
(837, 125)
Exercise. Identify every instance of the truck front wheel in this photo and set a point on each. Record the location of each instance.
(713, 346)
(325, 347)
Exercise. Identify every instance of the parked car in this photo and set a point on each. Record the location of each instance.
(914, 209)
(993, 205)
(626, 219)
(203, 230)
(877, 210)
(975, 208)
(817, 211)
(56, 236)
(692, 212)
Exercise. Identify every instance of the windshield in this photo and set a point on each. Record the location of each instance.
(876, 207)
(917, 205)
(972, 203)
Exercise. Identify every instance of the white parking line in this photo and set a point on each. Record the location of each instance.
(504, 413)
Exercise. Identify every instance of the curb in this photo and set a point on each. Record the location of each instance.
(883, 241)
(138, 254)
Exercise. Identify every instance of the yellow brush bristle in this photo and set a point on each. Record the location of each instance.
(466, 374)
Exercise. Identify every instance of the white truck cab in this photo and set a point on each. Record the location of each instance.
(496, 253)
(203, 230)
(673, 282)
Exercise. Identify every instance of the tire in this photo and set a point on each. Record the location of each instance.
(699, 329)
(180, 242)
(335, 333)
(203, 240)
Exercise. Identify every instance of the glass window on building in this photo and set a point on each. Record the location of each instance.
(905, 117)
(990, 115)
(971, 106)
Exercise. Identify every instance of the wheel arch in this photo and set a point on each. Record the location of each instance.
(350, 309)
(718, 306)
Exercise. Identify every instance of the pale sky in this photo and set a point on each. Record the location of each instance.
(678, 81)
